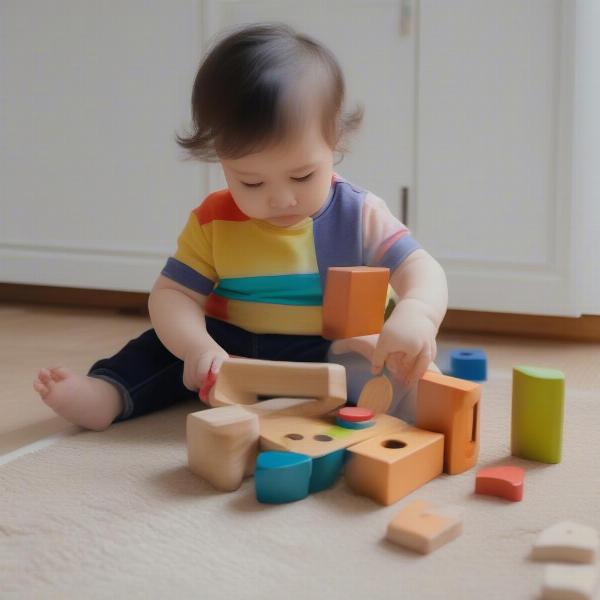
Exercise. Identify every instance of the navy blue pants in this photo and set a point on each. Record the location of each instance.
(149, 377)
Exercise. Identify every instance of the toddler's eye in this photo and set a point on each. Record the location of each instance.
(305, 178)
(252, 185)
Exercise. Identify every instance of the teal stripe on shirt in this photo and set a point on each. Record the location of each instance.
(302, 289)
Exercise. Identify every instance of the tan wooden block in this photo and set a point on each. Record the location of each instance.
(423, 528)
(242, 380)
(354, 301)
(376, 395)
(451, 406)
(566, 541)
(569, 582)
(222, 445)
(389, 466)
(318, 436)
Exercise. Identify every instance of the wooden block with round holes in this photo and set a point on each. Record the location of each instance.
(423, 528)
(451, 406)
(354, 301)
(376, 395)
(315, 436)
(388, 466)
(566, 541)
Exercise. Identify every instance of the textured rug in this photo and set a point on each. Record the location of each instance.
(118, 515)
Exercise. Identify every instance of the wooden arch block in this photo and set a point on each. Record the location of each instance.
(354, 301)
(566, 541)
(451, 406)
(504, 482)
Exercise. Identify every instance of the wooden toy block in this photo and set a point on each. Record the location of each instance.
(451, 406)
(242, 380)
(376, 395)
(504, 482)
(354, 301)
(318, 436)
(566, 541)
(389, 466)
(282, 477)
(537, 413)
(468, 363)
(222, 444)
(326, 470)
(569, 582)
(421, 527)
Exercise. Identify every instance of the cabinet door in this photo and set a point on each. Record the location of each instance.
(92, 189)
(493, 167)
(374, 43)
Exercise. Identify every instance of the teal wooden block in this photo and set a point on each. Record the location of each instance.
(282, 477)
(537, 414)
(326, 470)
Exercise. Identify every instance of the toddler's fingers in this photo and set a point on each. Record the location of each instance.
(420, 366)
(44, 376)
(58, 373)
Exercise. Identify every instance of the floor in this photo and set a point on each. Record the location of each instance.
(34, 336)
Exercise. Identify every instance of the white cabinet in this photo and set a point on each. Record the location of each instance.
(483, 110)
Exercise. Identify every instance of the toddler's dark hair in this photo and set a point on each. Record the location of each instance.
(253, 88)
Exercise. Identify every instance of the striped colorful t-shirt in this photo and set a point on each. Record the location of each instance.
(269, 279)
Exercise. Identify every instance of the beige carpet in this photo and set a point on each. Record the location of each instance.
(118, 515)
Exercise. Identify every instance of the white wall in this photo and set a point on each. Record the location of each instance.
(586, 159)
(93, 193)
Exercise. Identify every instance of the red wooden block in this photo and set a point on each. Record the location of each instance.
(355, 414)
(504, 482)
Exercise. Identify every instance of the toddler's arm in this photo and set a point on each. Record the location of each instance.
(177, 316)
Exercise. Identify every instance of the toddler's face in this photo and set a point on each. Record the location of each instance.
(284, 183)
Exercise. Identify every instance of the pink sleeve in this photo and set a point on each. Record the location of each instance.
(386, 241)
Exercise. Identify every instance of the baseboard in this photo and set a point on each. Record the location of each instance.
(585, 328)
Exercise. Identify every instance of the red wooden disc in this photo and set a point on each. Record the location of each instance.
(355, 414)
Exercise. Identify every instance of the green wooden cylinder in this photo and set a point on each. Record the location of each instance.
(537, 413)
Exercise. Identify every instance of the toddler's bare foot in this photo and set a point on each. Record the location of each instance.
(86, 401)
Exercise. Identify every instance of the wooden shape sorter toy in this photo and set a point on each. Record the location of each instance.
(389, 466)
(451, 406)
(354, 301)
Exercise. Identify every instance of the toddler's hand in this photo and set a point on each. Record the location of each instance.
(406, 344)
(197, 364)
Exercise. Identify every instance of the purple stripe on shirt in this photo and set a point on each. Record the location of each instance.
(186, 276)
(397, 252)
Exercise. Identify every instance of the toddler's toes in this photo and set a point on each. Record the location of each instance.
(59, 373)
(40, 388)
(44, 376)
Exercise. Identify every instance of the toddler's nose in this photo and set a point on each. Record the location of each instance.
(282, 200)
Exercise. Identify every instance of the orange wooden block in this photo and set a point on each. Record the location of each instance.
(451, 406)
(354, 301)
(423, 528)
(504, 482)
(389, 466)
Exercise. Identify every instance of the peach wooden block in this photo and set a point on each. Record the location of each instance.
(354, 301)
(242, 380)
(422, 528)
(451, 406)
(376, 395)
(566, 541)
(504, 482)
(569, 582)
(387, 467)
(222, 445)
(318, 436)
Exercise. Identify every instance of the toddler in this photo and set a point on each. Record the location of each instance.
(248, 275)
